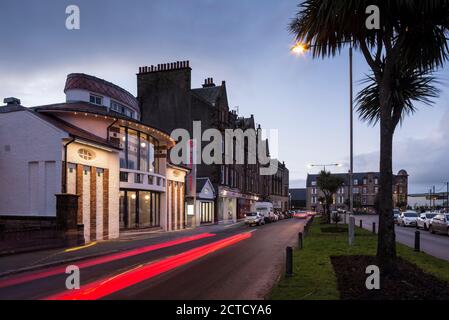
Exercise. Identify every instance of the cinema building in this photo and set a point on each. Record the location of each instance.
(92, 146)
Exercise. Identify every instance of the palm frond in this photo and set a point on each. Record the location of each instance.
(409, 87)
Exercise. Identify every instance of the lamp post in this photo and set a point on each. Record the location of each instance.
(311, 165)
(301, 48)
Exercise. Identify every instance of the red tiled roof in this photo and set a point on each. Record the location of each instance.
(100, 86)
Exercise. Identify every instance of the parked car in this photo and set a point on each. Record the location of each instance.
(408, 219)
(254, 219)
(266, 209)
(440, 224)
(396, 214)
(424, 220)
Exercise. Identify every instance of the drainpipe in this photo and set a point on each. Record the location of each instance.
(64, 176)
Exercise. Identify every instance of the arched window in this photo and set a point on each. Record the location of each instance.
(86, 154)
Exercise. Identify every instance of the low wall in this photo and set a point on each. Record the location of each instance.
(19, 234)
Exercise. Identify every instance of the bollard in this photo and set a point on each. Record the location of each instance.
(289, 262)
(417, 241)
(351, 230)
(374, 227)
(300, 240)
(361, 223)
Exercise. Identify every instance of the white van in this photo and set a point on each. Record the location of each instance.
(266, 209)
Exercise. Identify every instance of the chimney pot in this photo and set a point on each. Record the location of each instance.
(12, 101)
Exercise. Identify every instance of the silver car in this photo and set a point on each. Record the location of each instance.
(254, 219)
(440, 224)
(424, 220)
(408, 219)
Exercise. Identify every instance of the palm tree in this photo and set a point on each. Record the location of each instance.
(410, 44)
(329, 185)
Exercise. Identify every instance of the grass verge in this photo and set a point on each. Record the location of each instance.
(314, 277)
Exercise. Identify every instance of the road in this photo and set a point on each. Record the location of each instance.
(436, 245)
(232, 263)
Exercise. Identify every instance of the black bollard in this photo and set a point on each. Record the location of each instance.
(417, 241)
(289, 262)
(300, 240)
(374, 227)
(361, 223)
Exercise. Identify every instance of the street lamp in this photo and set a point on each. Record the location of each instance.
(300, 48)
(311, 165)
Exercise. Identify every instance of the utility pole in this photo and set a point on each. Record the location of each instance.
(351, 141)
(447, 197)
(433, 209)
(430, 199)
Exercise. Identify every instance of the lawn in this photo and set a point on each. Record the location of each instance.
(314, 277)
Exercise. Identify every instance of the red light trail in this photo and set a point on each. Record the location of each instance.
(96, 261)
(101, 288)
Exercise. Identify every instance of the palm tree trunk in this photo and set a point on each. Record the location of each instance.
(386, 246)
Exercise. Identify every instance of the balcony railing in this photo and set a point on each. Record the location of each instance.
(133, 179)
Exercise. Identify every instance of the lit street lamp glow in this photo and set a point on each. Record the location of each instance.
(299, 48)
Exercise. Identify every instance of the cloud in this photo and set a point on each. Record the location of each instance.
(426, 159)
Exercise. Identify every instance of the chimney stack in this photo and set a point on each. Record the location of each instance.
(11, 101)
(209, 82)
(178, 65)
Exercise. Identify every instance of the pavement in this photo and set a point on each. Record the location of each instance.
(222, 262)
(436, 245)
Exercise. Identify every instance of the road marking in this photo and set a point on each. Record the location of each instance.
(81, 247)
(104, 287)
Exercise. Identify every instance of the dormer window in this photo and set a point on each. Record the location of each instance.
(98, 100)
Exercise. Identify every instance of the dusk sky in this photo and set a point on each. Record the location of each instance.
(245, 43)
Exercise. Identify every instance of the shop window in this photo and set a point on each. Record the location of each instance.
(133, 143)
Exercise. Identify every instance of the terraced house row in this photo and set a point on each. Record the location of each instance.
(98, 163)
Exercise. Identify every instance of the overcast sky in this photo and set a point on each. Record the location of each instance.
(245, 43)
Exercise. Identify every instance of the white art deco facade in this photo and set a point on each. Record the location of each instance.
(93, 145)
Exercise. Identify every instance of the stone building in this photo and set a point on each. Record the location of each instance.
(365, 190)
(167, 100)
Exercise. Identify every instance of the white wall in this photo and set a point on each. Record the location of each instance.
(74, 95)
(106, 159)
(30, 172)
